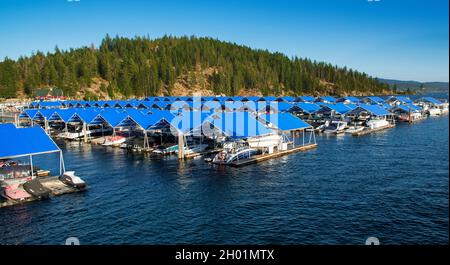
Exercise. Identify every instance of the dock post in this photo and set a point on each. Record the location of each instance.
(180, 146)
(84, 132)
(46, 125)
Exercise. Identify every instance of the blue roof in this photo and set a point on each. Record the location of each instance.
(111, 116)
(306, 98)
(374, 109)
(432, 100)
(375, 99)
(17, 142)
(29, 113)
(308, 107)
(285, 121)
(83, 115)
(403, 99)
(351, 99)
(340, 108)
(239, 125)
(328, 98)
(62, 114)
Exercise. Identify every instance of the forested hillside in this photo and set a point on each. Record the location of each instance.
(123, 67)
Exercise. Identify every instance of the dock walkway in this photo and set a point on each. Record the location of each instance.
(263, 157)
(369, 131)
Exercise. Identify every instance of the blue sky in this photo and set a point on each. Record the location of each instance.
(401, 39)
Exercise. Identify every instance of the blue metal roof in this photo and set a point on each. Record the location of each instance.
(239, 125)
(432, 100)
(340, 108)
(375, 100)
(17, 142)
(374, 109)
(285, 121)
(62, 114)
(29, 113)
(308, 107)
(351, 99)
(305, 99)
(328, 98)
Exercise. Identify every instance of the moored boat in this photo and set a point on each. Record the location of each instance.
(70, 179)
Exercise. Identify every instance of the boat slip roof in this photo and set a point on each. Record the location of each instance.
(285, 121)
(17, 142)
(432, 100)
(374, 109)
(239, 125)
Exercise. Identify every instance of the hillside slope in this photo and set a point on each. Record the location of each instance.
(123, 67)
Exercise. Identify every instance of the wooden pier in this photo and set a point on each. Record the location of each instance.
(263, 157)
(207, 152)
(369, 131)
(52, 183)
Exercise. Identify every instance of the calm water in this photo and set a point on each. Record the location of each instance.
(392, 185)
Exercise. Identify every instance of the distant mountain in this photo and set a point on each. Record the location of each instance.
(416, 86)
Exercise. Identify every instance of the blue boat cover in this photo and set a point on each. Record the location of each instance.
(17, 142)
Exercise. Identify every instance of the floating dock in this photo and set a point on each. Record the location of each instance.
(55, 186)
(263, 157)
(369, 131)
(208, 152)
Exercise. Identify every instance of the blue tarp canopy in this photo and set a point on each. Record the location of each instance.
(285, 121)
(17, 142)
(239, 125)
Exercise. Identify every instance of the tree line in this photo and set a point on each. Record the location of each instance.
(147, 67)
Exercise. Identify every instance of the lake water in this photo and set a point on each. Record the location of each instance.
(392, 185)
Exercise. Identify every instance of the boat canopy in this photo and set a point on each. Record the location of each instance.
(18, 142)
(305, 99)
(308, 108)
(285, 121)
(340, 108)
(375, 110)
(432, 100)
(239, 125)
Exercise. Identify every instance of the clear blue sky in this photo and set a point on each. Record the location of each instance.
(401, 39)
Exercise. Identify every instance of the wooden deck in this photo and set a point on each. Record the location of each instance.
(369, 131)
(208, 152)
(56, 187)
(260, 158)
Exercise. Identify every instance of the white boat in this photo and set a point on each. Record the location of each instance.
(234, 152)
(76, 135)
(265, 141)
(376, 123)
(335, 127)
(190, 149)
(354, 129)
(434, 111)
(71, 180)
(114, 140)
